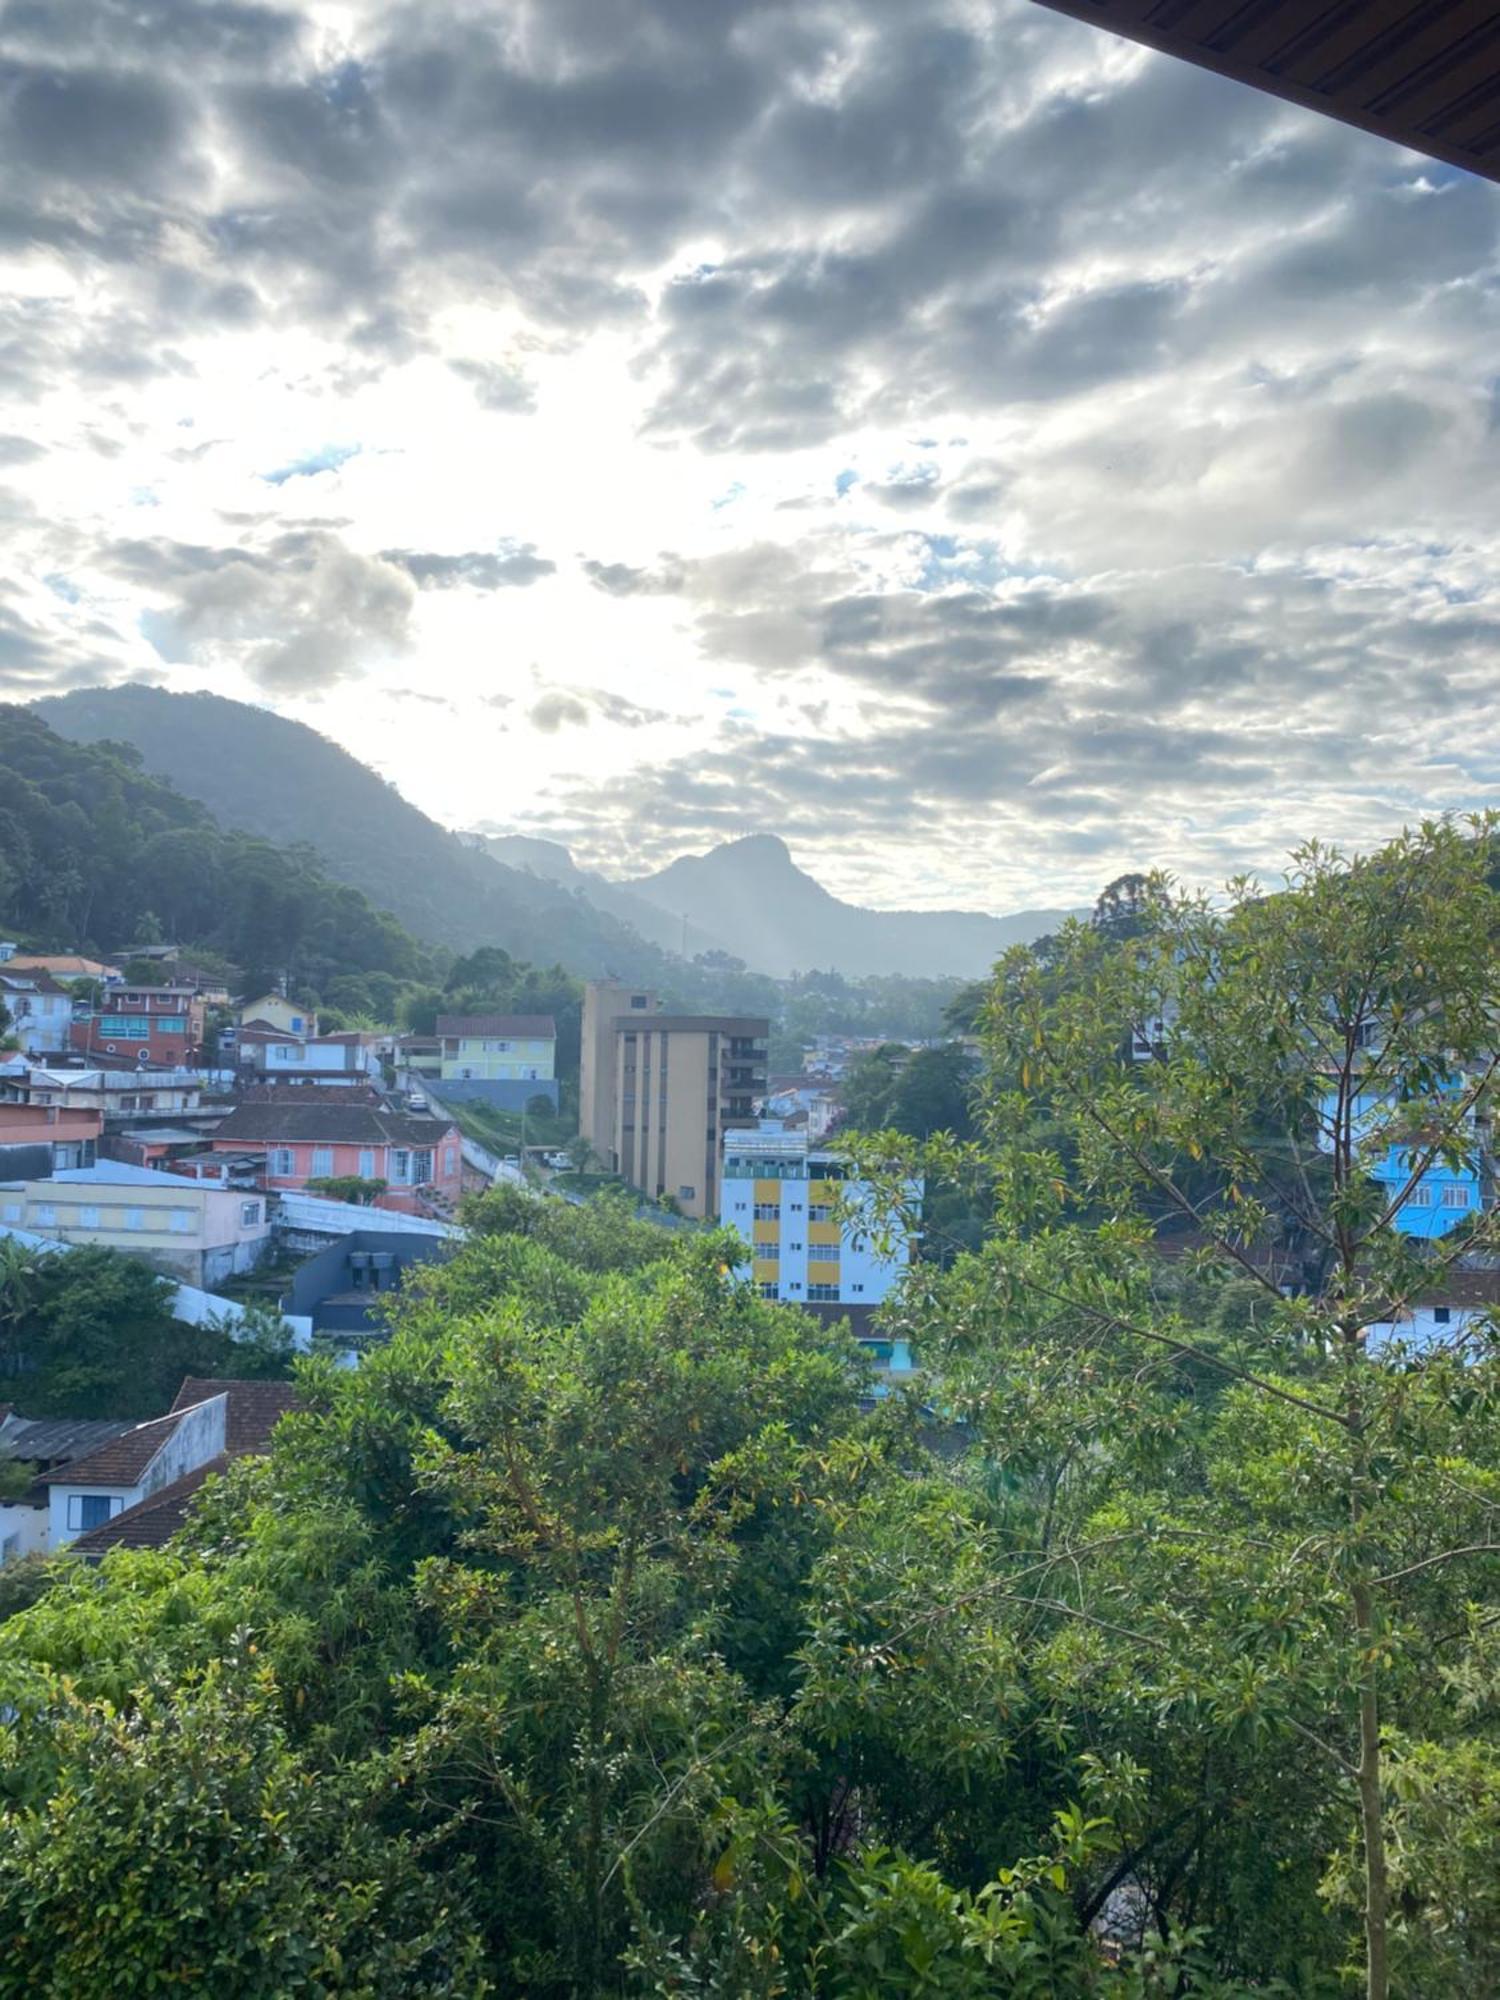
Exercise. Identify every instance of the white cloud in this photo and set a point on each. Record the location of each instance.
(923, 425)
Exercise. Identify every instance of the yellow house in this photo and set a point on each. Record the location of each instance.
(276, 1011)
(503, 1058)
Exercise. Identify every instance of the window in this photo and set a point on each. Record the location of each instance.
(856, 1288)
(768, 1253)
(823, 1294)
(182, 1221)
(281, 1163)
(367, 1163)
(322, 1162)
(297, 1024)
(638, 1001)
(249, 1213)
(128, 1027)
(400, 1164)
(819, 1211)
(795, 1207)
(90, 1510)
(450, 1164)
(135, 1218)
(685, 1193)
(794, 1246)
(291, 1052)
(1442, 1314)
(421, 1166)
(740, 1207)
(130, 1104)
(769, 1290)
(89, 1217)
(1455, 1197)
(11, 1212)
(46, 1214)
(1420, 1197)
(767, 1211)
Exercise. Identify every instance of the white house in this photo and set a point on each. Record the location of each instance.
(49, 1444)
(41, 1011)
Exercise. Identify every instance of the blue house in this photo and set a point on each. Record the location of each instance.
(1447, 1195)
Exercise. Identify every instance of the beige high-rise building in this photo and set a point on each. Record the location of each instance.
(658, 1091)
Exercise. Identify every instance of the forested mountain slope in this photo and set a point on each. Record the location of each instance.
(285, 782)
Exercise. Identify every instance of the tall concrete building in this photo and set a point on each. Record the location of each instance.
(658, 1091)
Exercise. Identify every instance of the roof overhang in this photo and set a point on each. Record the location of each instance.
(1424, 73)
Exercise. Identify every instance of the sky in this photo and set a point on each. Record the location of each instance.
(985, 453)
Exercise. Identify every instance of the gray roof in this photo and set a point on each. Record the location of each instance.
(57, 1440)
(330, 1124)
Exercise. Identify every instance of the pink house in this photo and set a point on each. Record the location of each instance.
(419, 1159)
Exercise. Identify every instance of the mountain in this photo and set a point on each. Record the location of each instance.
(94, 852)
(781, 920)
(283, 781)
(750, 899)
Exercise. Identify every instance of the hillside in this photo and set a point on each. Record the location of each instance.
(285, 782)
(782, 920)
(95, 854)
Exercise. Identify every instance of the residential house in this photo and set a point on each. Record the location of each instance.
(135, 1490)
(1458, 1306)
(1433, 1196)
(198, 1234)
(157, 1025)
(275, 1055)
(500, 1059)
(62, 965)
(274, 1010)
(40, 1010)
(807, 1221)
(38, 1140)
(119, 1095)
(419, 1159)
(46, 1444)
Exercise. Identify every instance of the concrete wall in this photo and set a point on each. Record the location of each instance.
(504, 1093)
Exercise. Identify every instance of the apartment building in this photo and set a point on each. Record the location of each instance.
(807, 1221)
(659, 1091)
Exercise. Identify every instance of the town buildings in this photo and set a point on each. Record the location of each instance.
(41, 1139)
(277, 1056)
(274, 1010)
(40, 1010)
(159, 1025)
(661, 1090)
(47, 1445)
(808, 1224)
(133, 1491)
(125, 1093)
(500, 1059)
(198, 1233)
(419, 1159)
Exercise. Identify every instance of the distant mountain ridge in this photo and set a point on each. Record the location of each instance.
(277, 778)
(748, 897)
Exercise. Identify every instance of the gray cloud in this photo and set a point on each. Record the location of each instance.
(300, 612)
(575, 708)
(512, 565)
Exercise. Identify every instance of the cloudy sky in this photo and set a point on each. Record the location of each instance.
(983, 452)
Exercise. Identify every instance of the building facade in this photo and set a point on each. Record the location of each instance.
(41, 1011)
(807, 1222)
(157, 1025)
(197, 1234)
(659, 1091)
(38, 1140)
(270, 1055)
(500, 1059)
(274, 1010)
(419, 1159)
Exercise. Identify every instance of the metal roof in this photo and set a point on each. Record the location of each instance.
(1423, 73)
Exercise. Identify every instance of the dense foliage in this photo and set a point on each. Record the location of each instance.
(90, 1333)
(599, 1637)
(94, 854)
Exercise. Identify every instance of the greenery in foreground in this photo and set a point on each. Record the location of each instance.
(594, 1639)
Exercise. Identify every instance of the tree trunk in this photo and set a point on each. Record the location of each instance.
(1372, 1823)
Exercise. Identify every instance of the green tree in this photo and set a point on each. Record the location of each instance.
(1263, 1537)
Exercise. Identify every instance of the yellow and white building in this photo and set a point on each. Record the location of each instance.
(807, 1221)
